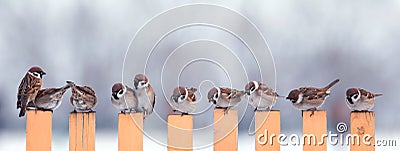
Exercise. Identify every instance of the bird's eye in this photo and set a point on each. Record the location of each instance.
(182, 97)
(252, 88)
(142, 83)
(120, 92)
(216, 95)
(356, 95)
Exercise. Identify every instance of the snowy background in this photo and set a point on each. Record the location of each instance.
(312, 42)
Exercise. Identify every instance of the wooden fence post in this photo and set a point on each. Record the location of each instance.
(268, 129)
(130, 132)
(38, 130)
(362, 124)
(314, 125)
(180, 133)
(225, 130)
(82, 131)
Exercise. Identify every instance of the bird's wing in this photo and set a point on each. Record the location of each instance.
(89, 93)
(367, 94)
(50, 91)
(151, 95)
(87, 90)
(266, 90)
(236, 94)
(191, 95)
(311, 93)
(43, 92)
(27, 90)
(21, 90)
(226, 93)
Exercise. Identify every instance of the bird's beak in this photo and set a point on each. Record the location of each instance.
(43, 73)
(349, 100)
(135, 83)
(175, 99)
(212, 101)
(114, 96)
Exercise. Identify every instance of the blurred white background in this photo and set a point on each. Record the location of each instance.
(312, 43)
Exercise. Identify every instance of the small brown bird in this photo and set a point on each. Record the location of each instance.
(49, 98)
(123, 98)
(225, 98)
(29, 87)
(83, 98)
(145, 95)
(310, 98)
(183, 100)
(261, 97)
(360, 100)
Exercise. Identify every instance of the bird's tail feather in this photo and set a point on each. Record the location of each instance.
(330, 85)
(67, 86)
(280, 96)
(18, 104)
(70, 83)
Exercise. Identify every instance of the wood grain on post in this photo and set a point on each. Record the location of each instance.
(130, 132)
(38, 130)
(268, 128)
(82, 131)
(314, 125)
(180, 133)
(362, 124)
(225, 130)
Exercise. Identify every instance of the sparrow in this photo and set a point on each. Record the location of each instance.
(49, 98)
(83, 98)
(359, 99)
(123, 98)
(310, 98)
(145, 95)
(225, 98)
(260, 96)
(28, 88)
(183, 100)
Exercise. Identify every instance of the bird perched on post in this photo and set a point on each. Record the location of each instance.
(261, 97)
(358, 99)
(83, 98)
(28, 88)
(49, 98)
(183, 100)
(145, 95)
(310, 98)
(225, 98)
(123, 98)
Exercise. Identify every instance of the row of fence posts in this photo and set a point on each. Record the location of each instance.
(180, 136)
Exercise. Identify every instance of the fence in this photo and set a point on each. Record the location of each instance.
(130, 136)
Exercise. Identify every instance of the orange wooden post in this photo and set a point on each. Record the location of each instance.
(38, 130)
(314, 131)
(180, 133)
(268, 128)
(82, 131)
(130, 132)
(362, 124)
(225, 130)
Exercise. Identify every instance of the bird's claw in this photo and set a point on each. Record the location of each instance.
(312, 111)
(226, 111)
